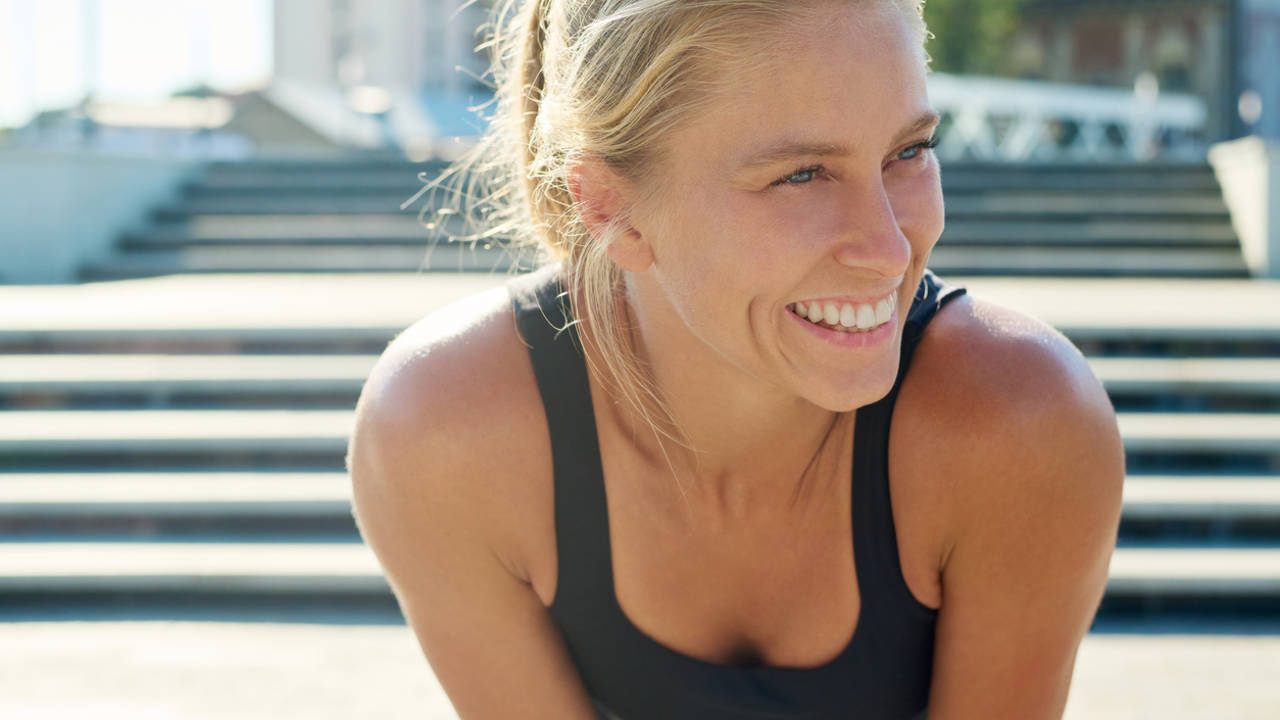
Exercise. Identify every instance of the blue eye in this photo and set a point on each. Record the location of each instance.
(799, 177)
(918, 148)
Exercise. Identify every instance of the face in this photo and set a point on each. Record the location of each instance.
(810, 182)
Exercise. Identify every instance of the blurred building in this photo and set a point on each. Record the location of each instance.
(377, 72)
(1226, 52)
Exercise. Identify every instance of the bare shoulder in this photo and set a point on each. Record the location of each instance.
(453, 405)
(1007, 398)
(449, 486)
(1019, 446)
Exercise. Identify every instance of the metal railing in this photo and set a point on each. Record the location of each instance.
(996, 119)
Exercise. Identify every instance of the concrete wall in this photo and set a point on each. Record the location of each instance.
(61, 209)
(1248, 170)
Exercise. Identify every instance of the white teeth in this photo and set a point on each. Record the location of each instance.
(883, 312)
(831, 314)
(848, 317)
(866, 317)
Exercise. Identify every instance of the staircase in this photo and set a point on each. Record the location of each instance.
(180, 453)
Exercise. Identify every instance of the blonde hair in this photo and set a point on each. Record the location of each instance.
(607, 79)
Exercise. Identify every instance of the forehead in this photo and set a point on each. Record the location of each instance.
(847, 73)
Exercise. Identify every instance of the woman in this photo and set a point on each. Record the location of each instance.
(657, 478)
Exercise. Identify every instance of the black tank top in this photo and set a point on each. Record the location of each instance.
(884, 671)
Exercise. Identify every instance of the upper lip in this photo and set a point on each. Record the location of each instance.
(853, 299)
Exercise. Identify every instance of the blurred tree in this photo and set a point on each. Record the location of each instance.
(971, 36)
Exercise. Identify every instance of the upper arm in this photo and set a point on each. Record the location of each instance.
(427, 491)
(1039, 469)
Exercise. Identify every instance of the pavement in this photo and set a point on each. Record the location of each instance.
(261, 671)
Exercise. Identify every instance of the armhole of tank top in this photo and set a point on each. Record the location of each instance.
(935, 291)
(906, 600)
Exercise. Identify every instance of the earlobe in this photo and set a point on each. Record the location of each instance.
(630, 252)
(600, 196)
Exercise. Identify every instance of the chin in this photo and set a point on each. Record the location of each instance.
(862, 391)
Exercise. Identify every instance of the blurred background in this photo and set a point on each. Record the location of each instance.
(209, 229)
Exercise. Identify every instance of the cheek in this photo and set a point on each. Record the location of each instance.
(917, 205)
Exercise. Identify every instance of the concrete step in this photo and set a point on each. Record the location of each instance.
(1098, 203)
(175, 495)
(62, 435)
(329, 313)
(328, 494)
(1158, 234)
(67, 433)
(1201, 498)
(987, 229)
(220, 228)
(350, 568)
(1259, 377)
(960, 201)
(1088, 262)
(189, 567)
(422, 257)
(1226, 262)
(161, 376)
(1183, 433)
(24, 379)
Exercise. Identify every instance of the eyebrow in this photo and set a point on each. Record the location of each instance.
(787, 150)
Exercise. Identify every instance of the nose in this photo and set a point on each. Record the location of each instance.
(871, 239)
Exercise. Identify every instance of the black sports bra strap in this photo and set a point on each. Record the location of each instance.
(581, 512)
(880, 577)
(930, 296)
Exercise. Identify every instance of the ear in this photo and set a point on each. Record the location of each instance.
(602, 197)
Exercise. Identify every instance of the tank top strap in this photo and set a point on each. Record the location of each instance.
(581, 514)
(875, 542)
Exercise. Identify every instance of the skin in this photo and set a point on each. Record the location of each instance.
(1005, 462)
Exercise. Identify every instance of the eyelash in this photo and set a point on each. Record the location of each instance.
(929, 144)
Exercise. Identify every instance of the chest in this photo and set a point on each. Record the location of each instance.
(776, 594)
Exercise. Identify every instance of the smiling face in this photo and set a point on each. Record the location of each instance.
(809, 181)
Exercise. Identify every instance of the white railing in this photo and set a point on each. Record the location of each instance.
(995, 119)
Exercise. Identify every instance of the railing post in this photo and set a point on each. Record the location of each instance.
(1248, 170)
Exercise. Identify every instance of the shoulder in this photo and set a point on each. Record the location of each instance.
(450, 423)
(1018, 415)
(1028, 469)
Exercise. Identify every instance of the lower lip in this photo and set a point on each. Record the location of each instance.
(871, 338)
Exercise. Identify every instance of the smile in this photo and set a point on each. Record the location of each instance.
(846, 317)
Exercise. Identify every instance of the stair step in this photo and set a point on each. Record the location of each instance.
(160, 376)
(267, 568)
(946, 259)
(216, 228)
(1101, 203)
(1194, 497)
(1195, 571)
(158, 494)
(228, 312)
(1259, 377)
(1182, 433)
(214, 567)
(174, 495)
(309, 259)
(986, 229)
(68, 432)
(286, 205)
(1092, 262)
(1088, 232)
